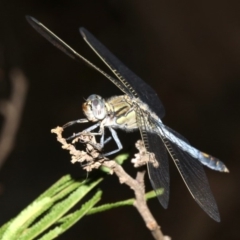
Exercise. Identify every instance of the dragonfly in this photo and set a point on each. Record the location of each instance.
(141, 109)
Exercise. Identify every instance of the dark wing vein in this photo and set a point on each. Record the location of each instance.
(64, 47)
(206, 159)
(136, 85)
(193, 175)
(159, 175)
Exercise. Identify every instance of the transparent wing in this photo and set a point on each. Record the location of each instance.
(159, 175)
(206, 159)
(193, 175)
(60, 44)
(131, 81)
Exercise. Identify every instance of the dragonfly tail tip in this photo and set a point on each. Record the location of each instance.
(226, 170)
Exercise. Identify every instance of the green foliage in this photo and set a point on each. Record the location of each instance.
(49, 208)
(49, 215)
(128, 202)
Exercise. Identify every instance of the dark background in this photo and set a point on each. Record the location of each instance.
(188, 51)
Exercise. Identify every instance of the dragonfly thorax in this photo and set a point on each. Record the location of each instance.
(94, 108)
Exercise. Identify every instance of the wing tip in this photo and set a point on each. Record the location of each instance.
(163, 197)
(82, 31)
(164, 205)
(210, 210)
(215, 217)
(28, 17)
(31, 19)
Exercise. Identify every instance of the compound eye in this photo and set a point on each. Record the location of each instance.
(97, 106)
(95, 103)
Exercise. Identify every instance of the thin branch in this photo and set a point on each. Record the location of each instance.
(12, 110)
(137, 185)
(92, 157)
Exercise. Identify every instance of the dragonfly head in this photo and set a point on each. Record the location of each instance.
(94, 108)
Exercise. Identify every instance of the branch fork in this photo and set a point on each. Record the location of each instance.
(93, 160)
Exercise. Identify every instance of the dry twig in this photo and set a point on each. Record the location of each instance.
(92, 157)
(11, 110)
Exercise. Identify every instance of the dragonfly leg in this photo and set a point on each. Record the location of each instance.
(89, 129)
(82, 120)
(107, 140)
(101, 133)
(117, 141)
(86, 130)
(102, 141)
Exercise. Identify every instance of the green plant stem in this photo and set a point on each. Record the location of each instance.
(128, 202)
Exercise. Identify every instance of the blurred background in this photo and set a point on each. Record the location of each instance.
(188, 51)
